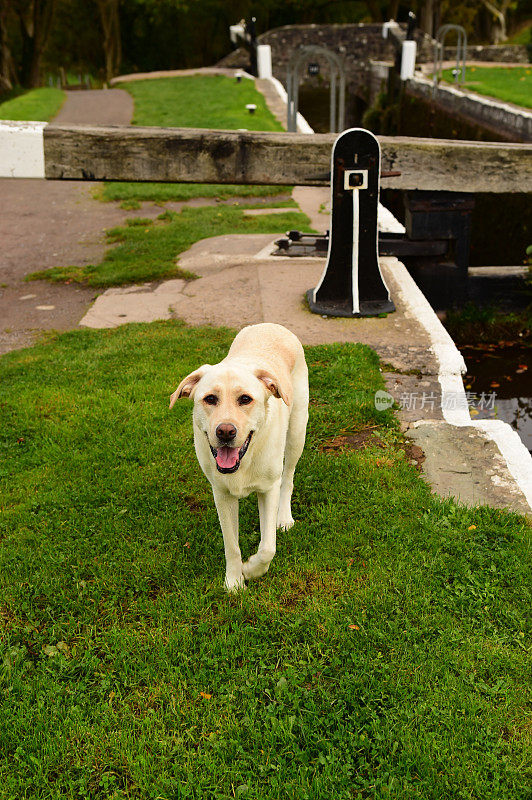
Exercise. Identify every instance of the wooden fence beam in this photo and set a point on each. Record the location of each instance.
(192, 155)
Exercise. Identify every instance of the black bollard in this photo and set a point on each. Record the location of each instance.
(252, 39)
(412, 22)
(352, 284)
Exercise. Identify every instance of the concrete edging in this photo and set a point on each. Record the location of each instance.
(451, 369)
(480, 109)
(302, 124)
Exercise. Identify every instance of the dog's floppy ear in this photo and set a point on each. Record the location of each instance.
(277, 387)
(188, 384)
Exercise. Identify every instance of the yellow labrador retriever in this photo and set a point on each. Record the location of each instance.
(250, 417)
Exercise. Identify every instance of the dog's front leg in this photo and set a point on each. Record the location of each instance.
(258, 564)
(227, 507)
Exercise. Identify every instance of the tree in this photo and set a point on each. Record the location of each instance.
(499, 10)
(35, 20)
(76, 40)
(112, 42)
(426, 20)
(7, 66)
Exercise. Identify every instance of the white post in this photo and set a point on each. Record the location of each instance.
(264, 60)
(236, 32)
(386, 27)
(408, 60)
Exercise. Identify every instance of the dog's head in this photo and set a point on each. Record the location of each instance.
(230, 405)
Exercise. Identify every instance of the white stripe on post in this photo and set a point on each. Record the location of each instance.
(21, 149)
(354, 256)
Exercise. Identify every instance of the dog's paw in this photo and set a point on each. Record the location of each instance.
(284, 520)
(234, 583)
(255, 567)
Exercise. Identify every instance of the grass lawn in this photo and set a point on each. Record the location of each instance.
(200, 101)
(148, 250)
(513, 84)
(386, 654)
(131, 195)
(36, 105)
(196, 101)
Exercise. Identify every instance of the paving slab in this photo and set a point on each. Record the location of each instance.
(239, 285)
(272, 288)
(465, 464)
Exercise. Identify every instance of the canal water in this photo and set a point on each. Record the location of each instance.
(498, 385)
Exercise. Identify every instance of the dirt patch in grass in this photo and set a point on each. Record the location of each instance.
(194, 504)
(414, 453)
(352, 441)
(368, 437)
(309, 584)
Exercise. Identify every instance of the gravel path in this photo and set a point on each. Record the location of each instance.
(96, 107)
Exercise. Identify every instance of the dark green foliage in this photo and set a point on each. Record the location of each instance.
(474, 324)
(382, 118)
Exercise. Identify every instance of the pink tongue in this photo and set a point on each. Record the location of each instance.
(226, 457)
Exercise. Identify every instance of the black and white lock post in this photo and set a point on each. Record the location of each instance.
(352, 284)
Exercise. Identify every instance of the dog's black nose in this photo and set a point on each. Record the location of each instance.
(226, 432)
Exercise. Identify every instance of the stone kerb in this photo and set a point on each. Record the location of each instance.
(504, 118)
(499, 53)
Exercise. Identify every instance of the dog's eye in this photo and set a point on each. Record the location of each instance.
(210, 399)
(244, 400)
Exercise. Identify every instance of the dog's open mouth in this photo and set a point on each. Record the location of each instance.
(228, 458)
